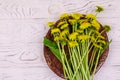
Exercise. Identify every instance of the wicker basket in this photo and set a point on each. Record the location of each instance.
(56, 66)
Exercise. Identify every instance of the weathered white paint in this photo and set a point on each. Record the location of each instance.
(22, 28)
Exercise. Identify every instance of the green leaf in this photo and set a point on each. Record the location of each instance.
(53, 47)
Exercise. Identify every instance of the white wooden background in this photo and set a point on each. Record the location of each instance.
(22, 28)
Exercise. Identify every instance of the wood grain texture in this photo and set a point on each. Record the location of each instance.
(22, 28)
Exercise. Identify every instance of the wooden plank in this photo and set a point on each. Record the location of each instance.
(38, 73)
(22, 28)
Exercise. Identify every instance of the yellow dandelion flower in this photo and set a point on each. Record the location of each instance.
(61, 23)
(93, 38)
(90, 16)
(73, 36)
(76, 15)
(58, 38)
(83, 37)
(72, 44)
(85, 25)
(64, 33)
(64, 15)
(50, 24)
(101, 37)
(64, 26)
(82, 21)
(72, 21)
(97, 32)
(79, 31)
(95, 24)
(55, 30)
(99, 9)
(97, 46)
(101, 41)
(107, 28)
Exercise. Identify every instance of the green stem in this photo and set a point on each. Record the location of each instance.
(65, 71)
(71, 59)
(67, 63)
(95, 65)
(92, 58)
(83, 71)
(77, 57)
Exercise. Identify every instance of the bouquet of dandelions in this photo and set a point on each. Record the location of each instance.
(82, 37)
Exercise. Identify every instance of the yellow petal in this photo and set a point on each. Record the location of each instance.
(83, 37)
(101, 41)
(64, 33)
(97, 46)
(61, 23)
(76, 15)
(73, 36)
(85, 25)
(79, 31)
(72, 21)
(64, 26)
(90, 16)
(50, 24)
(58, 38)
(72, 44)
(55, 30)
(95, 24)
(64, 15)
(101, 37)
